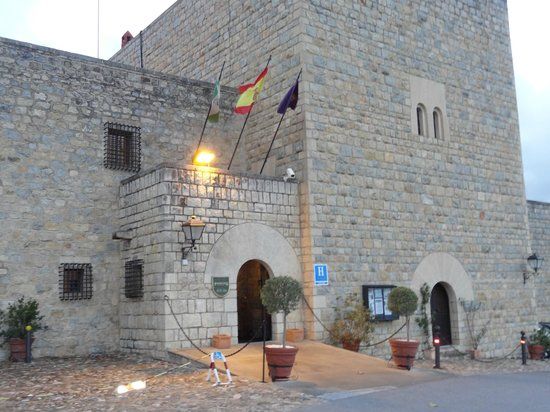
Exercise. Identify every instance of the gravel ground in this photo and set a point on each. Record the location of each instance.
(465, 366)
(89, 384)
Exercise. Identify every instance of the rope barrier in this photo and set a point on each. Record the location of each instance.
(167, 299)
(364, 346)
(501, 358)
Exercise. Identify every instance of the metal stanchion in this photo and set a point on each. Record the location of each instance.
(523, 349)
(437, 344)
(28, 343)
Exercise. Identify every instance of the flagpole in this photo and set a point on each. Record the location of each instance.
(209, 108)
(244, 124)
(276, 131)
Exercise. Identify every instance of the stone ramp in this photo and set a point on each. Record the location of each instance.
(320, 368)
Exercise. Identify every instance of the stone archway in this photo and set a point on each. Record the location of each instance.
(446, 270)
(252, 242)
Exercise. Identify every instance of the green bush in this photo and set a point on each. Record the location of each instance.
(281, 295)
(352, 322)
(403, 302)
(540, 337)
(20, 314)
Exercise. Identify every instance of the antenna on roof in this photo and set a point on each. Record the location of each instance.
(98, 29)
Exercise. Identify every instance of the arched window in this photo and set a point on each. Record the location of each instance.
(438, 125)
(421, 120)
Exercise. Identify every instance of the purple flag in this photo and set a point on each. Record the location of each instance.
(290, 99)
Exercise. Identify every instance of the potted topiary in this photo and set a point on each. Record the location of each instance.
(352, 324)
(15, 321)
(281, 295)
(539, 342)
(403, 301)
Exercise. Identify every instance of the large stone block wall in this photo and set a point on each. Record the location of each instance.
(153, 206)
(383, 197)
(192, 39)
(539, 226)
(377, 198)
(58, 204)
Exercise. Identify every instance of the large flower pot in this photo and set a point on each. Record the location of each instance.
(294, 335)
(18, 349)
(352, 345)
(280, 361)
(221, 341)
(403, 352)
(536, 352)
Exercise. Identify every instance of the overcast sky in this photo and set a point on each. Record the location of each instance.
(72, 25)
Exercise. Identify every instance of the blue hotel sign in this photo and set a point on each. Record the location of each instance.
(320, 274)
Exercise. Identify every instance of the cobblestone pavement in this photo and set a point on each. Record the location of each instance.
(465, 366)
(89, 384)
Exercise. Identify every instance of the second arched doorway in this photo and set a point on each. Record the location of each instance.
(250, 311)
(441, 315)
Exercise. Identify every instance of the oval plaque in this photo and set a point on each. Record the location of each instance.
(220, 286)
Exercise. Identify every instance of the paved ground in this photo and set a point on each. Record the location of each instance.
(88, 384)
(494, 392)
(321, 368)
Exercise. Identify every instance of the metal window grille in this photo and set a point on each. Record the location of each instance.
(75, 281)
(122, 145)
(133, 279)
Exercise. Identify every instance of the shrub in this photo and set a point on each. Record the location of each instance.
(20, 314)
(352, 321)
(281, 295)
(403, 302)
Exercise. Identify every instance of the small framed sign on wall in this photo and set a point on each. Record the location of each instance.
(320, 271)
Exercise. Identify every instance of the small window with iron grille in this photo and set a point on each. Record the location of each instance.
(75, 281)
(122, 147)
(133, 279)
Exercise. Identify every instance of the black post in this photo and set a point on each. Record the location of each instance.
(28, 343)
(276, 131)
(437, 344)
(523, 349)
(263, 347)
(244, 125)
(141, 49)
(208, 114)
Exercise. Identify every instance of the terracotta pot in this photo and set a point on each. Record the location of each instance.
(352, 345)
(221, 341)
(294, 335)
(280, 361)
(403, 352)
(536, 352)
(18, 350)
(474, 353)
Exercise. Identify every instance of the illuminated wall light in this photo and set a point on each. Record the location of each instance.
(203, 158)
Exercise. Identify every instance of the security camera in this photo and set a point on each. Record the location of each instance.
(289, 174)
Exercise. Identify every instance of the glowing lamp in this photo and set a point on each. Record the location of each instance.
(122, 389)
(138, 385)
(436, 341)
(522, 341)
(204, 158)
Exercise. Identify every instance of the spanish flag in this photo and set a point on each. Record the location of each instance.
(249, 94)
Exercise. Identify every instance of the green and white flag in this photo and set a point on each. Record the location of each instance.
(214, 115)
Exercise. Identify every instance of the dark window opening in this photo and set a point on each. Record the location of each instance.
(122, 147)
(437, 124)
(133, 279)
(375, 297)
(420, 120)
(75, 281)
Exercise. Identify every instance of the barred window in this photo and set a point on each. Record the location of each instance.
(75, 281)
(133, 279)
(122, 147)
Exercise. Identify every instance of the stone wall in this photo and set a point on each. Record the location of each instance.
(539, 226)
(153, 206)
(58, 204)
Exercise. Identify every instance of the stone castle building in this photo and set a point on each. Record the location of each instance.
(406, 149)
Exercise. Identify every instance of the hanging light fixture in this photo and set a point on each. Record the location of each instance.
(192, 229)
(535, 263)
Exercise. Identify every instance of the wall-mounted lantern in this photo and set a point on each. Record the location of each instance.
(535, 263)
(192, 229)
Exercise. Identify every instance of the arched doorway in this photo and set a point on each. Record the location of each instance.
(441, 318)
(250, 311)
